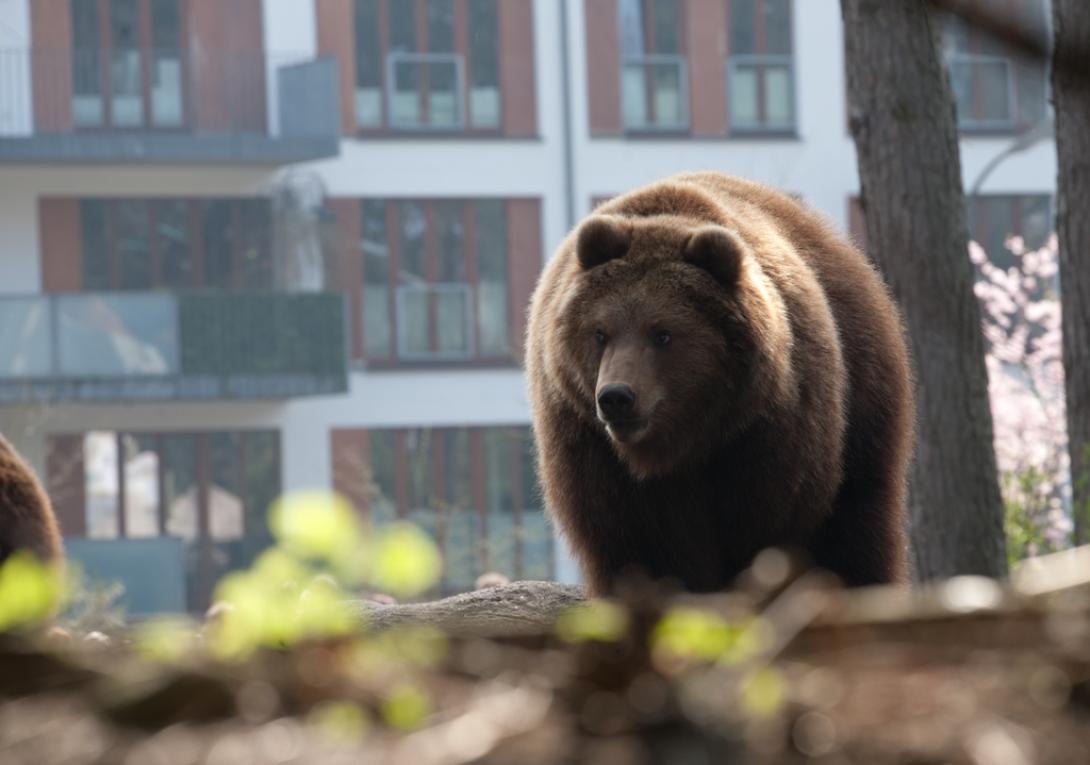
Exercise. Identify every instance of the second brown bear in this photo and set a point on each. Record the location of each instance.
(714, 371)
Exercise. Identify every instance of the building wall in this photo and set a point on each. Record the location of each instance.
(819, 165)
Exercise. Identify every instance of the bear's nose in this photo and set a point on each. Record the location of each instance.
(617, 401)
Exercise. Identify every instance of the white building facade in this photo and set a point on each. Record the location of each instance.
(273, 245)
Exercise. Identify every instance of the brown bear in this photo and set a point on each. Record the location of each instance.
(714, 371)
(26, 515)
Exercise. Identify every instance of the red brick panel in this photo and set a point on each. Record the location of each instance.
(65, 483)
(337, 38)
(344, 265)
(51, 65)
(706, 41)
(227, 64)
(352, 467)
(524, 262)
(516, 31)
(60, 245)
(603, 67)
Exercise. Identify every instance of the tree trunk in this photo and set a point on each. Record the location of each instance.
(1071, 98)
(902, 120)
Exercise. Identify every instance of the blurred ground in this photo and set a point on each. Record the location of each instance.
(782, 671)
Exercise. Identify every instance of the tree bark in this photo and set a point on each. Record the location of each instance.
(1071, 99)
(905, 132)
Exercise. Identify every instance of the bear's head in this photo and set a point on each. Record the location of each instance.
(672, 338)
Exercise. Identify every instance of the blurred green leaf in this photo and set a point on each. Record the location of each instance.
(29, 590)
(594, 620)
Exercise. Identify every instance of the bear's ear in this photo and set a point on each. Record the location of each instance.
(718, 252)
(601, 240)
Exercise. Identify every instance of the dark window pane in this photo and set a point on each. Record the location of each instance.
(484, 68)
(179, 457)
(440, 26)
(218, 243)
(255, 252)
(225, 508)
(742, 26)
(492, 293)
(412, 224)
(126, 74)
(778, 26)
(87, 105)
(368, 64)
(666, 28)
(452, 258)
(262, 487)
(376, 279)
(383, 453)
(133, 244)
(630, 17)
(172, 243)
(420, 467)
(97, 269)
(1037, 221)
(500, 500)
(165, 25)
(402, 26)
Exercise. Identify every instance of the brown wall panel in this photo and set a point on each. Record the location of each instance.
(349, 450)
(524, 262)
(344, 265)
(227, 64)
(60, 244)
(603, 66)
(706, 42)
(51, 64)
(336, 37)
(516, 30)
(65, 483)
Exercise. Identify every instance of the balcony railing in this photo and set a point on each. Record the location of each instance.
(132, 346)
(175, 104)
(655, 92)
(984, 91)
(761, 89)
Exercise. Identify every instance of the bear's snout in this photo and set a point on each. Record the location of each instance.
(617, 402)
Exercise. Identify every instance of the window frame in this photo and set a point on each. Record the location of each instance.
(196, 210)
(461, 56)
(101, 57)
(760, 57)
(651, 56)
(396, 289)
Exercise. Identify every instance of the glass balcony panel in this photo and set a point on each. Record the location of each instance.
(484, 106)
(369, 107)
(26, 342)
(117, 335)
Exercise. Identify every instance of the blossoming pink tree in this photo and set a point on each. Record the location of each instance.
(1021, 318)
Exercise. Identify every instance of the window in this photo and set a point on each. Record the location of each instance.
(994, 88)
(127, 64)
(212, 489)
(473, 489)
(436, 283)
(427, 65)
(993, 218)
(654, 72)
(140, 244)
(760, 67)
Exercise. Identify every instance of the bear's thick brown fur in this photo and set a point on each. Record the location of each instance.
(713, 371)
(26, 515)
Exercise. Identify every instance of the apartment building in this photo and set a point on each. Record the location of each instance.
(252, 246)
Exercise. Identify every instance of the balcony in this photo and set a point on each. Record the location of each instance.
(166, 106)
(133, 346)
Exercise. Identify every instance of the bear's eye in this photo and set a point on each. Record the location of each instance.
(600, 337)
(662, 337)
